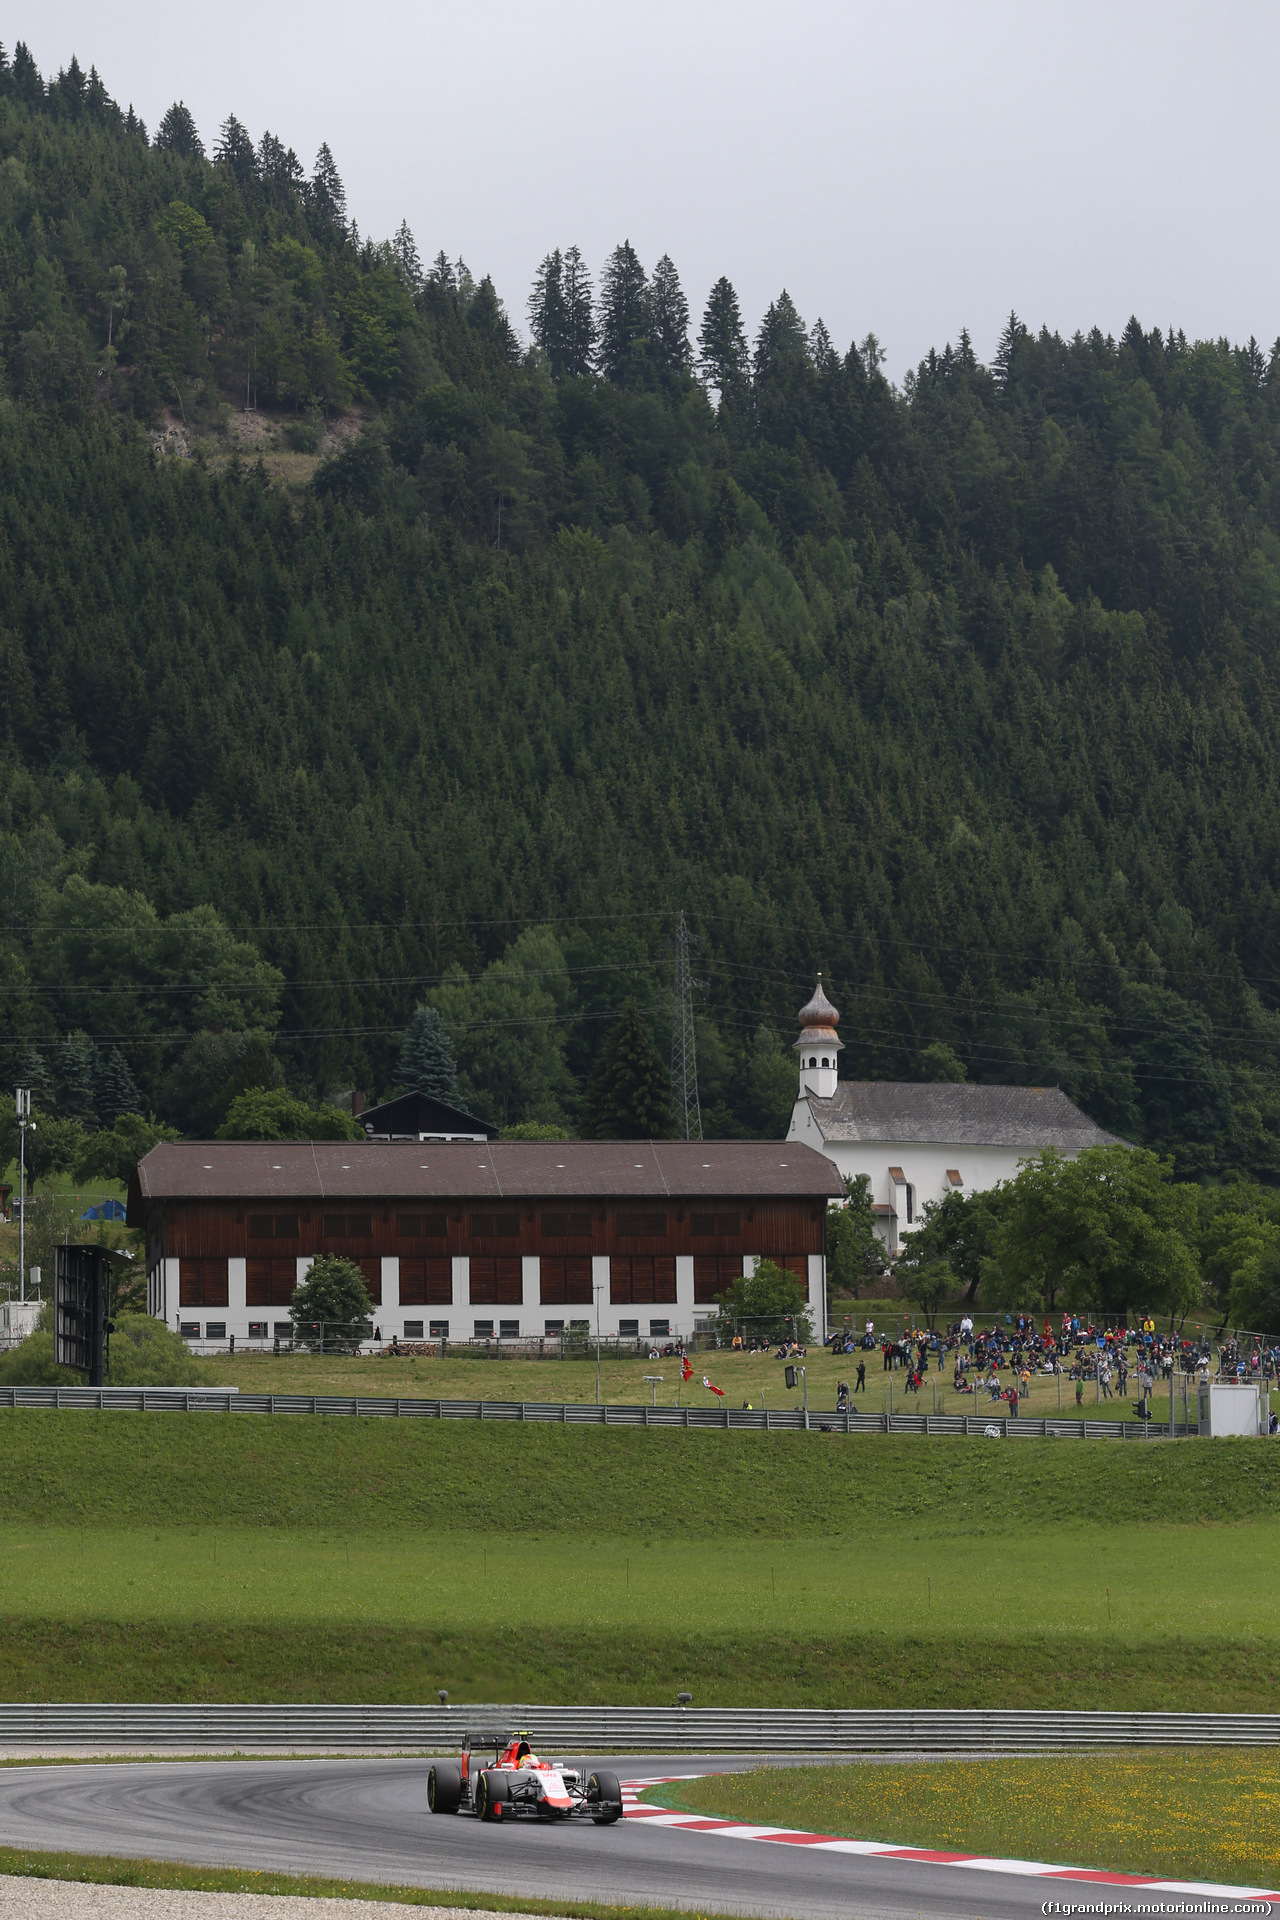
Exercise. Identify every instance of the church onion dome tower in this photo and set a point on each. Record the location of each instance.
(818, 1045)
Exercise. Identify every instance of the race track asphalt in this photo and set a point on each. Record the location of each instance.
(368, 1820)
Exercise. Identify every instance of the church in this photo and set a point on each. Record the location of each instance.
(918, 1141)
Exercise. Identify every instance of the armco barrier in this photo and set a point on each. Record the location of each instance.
(772, 1419)
(632, 1729)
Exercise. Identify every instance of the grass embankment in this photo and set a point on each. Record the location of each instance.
(1205, 1814)
(247, 1558)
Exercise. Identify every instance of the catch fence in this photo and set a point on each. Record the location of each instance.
(222, 1400)
(107, 1728)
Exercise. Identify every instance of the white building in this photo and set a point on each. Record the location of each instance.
(918, 1141)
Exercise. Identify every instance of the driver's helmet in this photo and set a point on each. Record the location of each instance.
(522, 1752)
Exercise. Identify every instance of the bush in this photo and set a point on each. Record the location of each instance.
(264, 1113)
(143, 1353)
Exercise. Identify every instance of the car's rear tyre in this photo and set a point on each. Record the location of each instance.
(492, 1794)
(444, 1787)
(604, 1797)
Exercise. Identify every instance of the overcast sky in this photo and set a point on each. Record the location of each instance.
(905, 168)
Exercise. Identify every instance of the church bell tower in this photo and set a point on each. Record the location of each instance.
(818, 1045)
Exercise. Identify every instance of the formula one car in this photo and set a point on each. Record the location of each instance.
(517, 1782)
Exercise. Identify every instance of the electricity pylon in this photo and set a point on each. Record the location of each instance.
(684, 1057)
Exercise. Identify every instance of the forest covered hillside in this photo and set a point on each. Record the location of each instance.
(501, 654)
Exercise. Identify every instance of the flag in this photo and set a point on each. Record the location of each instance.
(686, 1372)
(712, 1389)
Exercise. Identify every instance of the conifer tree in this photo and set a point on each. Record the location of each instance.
(279, 165)
(669, 320)
(113, 1087)
(781, 341)
(623, 317)
(76, 1068)
(404, 251)
(546, 311)
(722, 344)
(24, 76)
(579, 316)
(428, 1063)
(328, 195)
(234, 150)
(629, 1092)
(177, 133)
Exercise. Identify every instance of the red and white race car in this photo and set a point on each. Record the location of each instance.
(517, 1782)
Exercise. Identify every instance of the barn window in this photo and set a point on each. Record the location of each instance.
(637, 1226)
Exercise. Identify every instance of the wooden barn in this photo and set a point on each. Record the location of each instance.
(465, 1240)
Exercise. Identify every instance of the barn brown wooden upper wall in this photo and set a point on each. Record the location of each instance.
(220, 1228)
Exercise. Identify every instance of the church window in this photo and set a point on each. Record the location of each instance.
(813, 1060)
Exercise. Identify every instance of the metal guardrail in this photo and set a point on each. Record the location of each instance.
(771, 1420)
(630, 1729)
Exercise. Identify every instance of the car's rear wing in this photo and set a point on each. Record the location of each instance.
(492, 1738)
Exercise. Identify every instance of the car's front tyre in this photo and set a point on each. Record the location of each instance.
(604, 1797)
(492, 1793)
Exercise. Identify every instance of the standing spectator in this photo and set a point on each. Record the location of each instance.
(860, 1382)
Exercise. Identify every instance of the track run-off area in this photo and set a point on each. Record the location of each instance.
(367, 1819)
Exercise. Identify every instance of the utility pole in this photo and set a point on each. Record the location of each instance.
(684, 1059)
(598, 1289)
(23, 1104)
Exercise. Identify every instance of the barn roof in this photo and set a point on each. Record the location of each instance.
(955, 1114)
(496, 1170)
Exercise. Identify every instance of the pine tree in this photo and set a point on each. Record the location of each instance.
(629, 1092)
(669, 320)
(113, 1087)
(822, 349)
(427, 1060)
(579, 316)
(24, 76)
(234, 150)
(404, 251)
(442, 272)
(76, 1068)
(547, 312)
(279, 165)
(328, 195)
(722, 344)
(623, 317)
(781, 341)
(1010, 344)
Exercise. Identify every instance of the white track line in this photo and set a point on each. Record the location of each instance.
(634, 1809)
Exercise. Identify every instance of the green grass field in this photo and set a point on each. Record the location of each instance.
(223, 1557)
(757, 1378)
(1205, 1814)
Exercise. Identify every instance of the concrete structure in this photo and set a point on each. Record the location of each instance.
(504, 1239)
(918, 1141)
(1230, 1409)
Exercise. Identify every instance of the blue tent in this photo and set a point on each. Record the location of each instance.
(109, 1210)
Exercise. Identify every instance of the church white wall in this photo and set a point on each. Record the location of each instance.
(923, 1164)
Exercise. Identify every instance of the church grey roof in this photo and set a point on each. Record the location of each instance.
(955, 1114)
